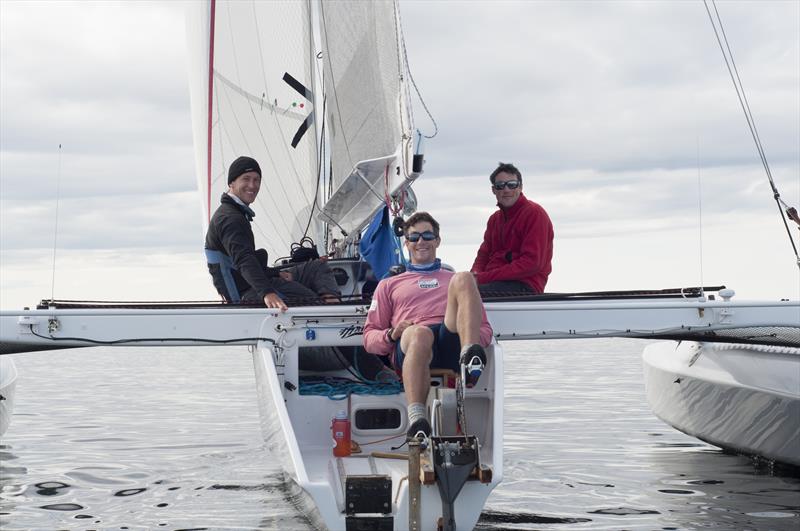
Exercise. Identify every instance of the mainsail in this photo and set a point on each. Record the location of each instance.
(258, 90)
(252, 95)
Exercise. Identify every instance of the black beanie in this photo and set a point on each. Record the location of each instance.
(242, 165)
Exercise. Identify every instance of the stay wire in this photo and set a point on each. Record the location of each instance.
(55, 230)
(700, 215)
(151, 339)
(740, 93)
(411, 77)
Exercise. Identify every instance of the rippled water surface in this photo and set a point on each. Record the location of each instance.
(168, 438)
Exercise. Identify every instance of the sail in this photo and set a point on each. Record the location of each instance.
(368, 122)
(252, 94)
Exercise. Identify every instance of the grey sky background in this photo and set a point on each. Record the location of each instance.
(620, 115)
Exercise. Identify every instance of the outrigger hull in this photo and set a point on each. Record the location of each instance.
(742, 398)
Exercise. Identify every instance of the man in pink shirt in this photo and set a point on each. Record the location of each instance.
(427, 317)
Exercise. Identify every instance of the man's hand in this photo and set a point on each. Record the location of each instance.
(397, 331)
(330, 298)
(272, 300)
(286, 275)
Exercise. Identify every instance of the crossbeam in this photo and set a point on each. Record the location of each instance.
(43, 329)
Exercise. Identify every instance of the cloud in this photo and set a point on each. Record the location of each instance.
(106, 81)
(608, 108)
(610, 86)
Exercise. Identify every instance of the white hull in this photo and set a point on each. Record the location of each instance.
(297, 431)
(8, 384)
(741, 398)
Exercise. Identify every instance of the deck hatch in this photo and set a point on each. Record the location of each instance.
(378, 419)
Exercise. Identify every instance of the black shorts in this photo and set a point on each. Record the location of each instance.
(446, 350)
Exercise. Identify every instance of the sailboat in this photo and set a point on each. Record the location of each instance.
(318, 92)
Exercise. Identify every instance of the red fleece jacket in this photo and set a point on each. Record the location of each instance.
(517, 245)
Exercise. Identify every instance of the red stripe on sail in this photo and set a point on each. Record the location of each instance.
(210, 99)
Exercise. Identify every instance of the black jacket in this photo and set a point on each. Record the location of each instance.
(229, 232)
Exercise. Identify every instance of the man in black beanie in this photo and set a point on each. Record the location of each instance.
(239, 271)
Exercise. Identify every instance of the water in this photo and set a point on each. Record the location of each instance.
(168, 438)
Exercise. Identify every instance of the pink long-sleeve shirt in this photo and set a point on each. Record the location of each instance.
(420, 297)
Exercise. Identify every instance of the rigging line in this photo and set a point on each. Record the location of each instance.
(274, 114)
(55, 230)
(767, 168)
(151, 339)
(405, 142)
(320, 154)
(259, 100)
(746, 104)
(220, 125)
(750, 119)
(700, 214)
(413, 82)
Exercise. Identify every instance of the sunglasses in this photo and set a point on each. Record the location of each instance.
(415, 236)
(511, 185)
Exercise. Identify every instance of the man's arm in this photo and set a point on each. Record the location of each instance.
(484, 251)
(379, 323)
(533, 255)
(236, 245)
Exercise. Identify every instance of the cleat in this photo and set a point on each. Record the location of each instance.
(473, 361)
(421, 429)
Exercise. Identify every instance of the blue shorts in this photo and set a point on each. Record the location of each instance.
(446, 350)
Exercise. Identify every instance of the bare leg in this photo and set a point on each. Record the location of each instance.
(417, 344)
(463, 314)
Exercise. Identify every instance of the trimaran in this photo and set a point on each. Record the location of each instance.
(319, 93)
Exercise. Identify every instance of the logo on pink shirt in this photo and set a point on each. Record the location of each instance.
(428, 283)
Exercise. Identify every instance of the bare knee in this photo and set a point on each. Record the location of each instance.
(417, 342)
(463, 281)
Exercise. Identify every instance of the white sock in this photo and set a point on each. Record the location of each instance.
(416, 411)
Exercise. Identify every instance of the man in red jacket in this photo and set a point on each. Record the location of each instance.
(517, 247)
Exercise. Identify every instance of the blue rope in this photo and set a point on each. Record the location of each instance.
(336, 388)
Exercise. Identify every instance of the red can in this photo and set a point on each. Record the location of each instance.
(340, 428)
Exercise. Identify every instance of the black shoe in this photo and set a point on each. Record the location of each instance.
(420, 426)
(473, 360)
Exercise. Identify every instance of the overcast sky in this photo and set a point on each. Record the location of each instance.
(620, 115)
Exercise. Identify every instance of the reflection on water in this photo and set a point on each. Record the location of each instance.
(171, 436)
